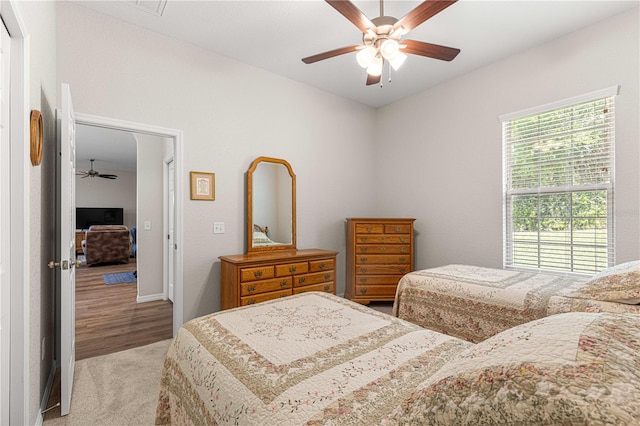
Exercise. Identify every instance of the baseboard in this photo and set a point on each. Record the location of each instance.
(150, 298)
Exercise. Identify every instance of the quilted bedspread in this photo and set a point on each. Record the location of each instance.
(474, 303)
(313, 358)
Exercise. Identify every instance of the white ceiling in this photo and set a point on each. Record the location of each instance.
(112, 149)
(276, 35)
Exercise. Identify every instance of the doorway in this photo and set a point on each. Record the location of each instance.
(173, 139)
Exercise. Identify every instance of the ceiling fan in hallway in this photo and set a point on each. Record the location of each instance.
(94, 173)
(382, 38)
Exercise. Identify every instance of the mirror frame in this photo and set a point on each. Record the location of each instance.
(279, 247)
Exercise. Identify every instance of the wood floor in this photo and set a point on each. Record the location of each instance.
(108, 318)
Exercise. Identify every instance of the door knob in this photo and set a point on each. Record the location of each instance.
(53, 264)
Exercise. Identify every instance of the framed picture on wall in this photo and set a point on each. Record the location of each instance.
(203, 186)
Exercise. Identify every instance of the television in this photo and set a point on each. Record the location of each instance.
(87, 216)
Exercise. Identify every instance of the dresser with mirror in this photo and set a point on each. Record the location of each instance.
(273, 266)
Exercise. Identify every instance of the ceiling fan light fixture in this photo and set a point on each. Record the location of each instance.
(398, 60)
(375, 68)
(365, 56)
(389, 49)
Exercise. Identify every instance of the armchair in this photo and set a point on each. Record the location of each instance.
(107, 243)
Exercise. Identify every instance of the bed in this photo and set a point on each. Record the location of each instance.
(475, 303)
(316, 358)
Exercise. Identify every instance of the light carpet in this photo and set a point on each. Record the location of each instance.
(116, 389)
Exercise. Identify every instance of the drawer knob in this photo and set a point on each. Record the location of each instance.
(363, 280)
(363, 239)
(369, 229)
(251, 302)
(257, 274)
(302, 280)
(363, 270)
(327, 276)
(283, 283)
(363, 249)
(402, 269)
(397, 229)
(403, 259)
(292, 269)
(327, 287)
(363, 259)
(403, 250)
(403, 240)
(323, 266)
(363, 291)
(251, 288)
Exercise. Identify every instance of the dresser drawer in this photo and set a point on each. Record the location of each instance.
(382, 269)
(383, 249)
(292, 269)
(264, 286)
(250, 300)
(326, 287)
(322, 265)
(372, 259)
(369, 228)
(315, 278)
(253, 274)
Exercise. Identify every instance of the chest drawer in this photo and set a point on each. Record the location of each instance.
(258, 273)
(398, 228)
(369, 228)
(372, 259)
(383, 249)
(382, 269)
(292, 269)
(383, 239)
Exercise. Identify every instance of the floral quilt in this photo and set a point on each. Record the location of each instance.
(313, 358)
(474, 303)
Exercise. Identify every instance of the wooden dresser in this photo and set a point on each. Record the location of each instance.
(379, 253)
(252, 278)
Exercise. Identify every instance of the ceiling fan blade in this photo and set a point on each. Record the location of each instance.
(352, 13)
(373, 79)
(421, 13)
(330, 54)
(429, 50)
(108, 176)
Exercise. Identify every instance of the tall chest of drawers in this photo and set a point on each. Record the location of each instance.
(252, 278)
(379, 253)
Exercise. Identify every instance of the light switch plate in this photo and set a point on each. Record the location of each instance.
(218, 227)
(147, 225)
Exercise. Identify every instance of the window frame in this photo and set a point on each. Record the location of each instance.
(509, 193)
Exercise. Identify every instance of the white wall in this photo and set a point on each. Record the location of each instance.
(120, 192)
(151, 154)
(446, 167)
(39, 22)
(230, 114)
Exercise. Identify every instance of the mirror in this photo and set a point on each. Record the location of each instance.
(271, 205)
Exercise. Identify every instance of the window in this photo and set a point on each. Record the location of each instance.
(558, 185)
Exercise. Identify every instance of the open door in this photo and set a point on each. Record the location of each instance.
(67, 262)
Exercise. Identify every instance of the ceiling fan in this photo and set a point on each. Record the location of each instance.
(381, 38)
(94, 173)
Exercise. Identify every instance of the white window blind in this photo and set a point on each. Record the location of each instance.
(558, 185)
